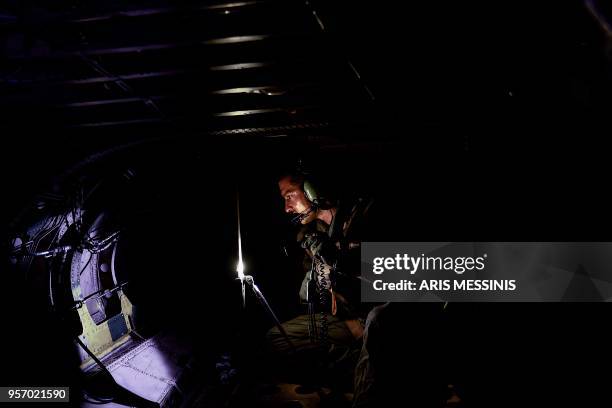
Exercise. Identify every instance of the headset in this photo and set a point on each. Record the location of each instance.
(313, 187)
(313, 192)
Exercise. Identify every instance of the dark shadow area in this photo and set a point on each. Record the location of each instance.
(488, 123)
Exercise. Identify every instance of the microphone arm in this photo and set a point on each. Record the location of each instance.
(297, 219)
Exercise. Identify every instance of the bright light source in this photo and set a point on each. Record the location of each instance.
(240, 265)
(240, 269)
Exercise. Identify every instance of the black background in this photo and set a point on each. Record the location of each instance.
(489, 123)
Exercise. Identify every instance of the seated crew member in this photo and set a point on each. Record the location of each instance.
(330, 233)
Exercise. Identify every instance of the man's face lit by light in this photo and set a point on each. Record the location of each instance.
(295, 200)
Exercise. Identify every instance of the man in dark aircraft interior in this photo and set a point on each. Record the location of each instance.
(330, 232)
(334, 333)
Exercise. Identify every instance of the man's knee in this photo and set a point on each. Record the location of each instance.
(373, 322)
(375, 313)
(272, 334)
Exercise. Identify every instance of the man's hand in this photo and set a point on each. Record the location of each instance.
(320, 245)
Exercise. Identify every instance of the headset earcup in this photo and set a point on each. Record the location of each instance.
(310, 192)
